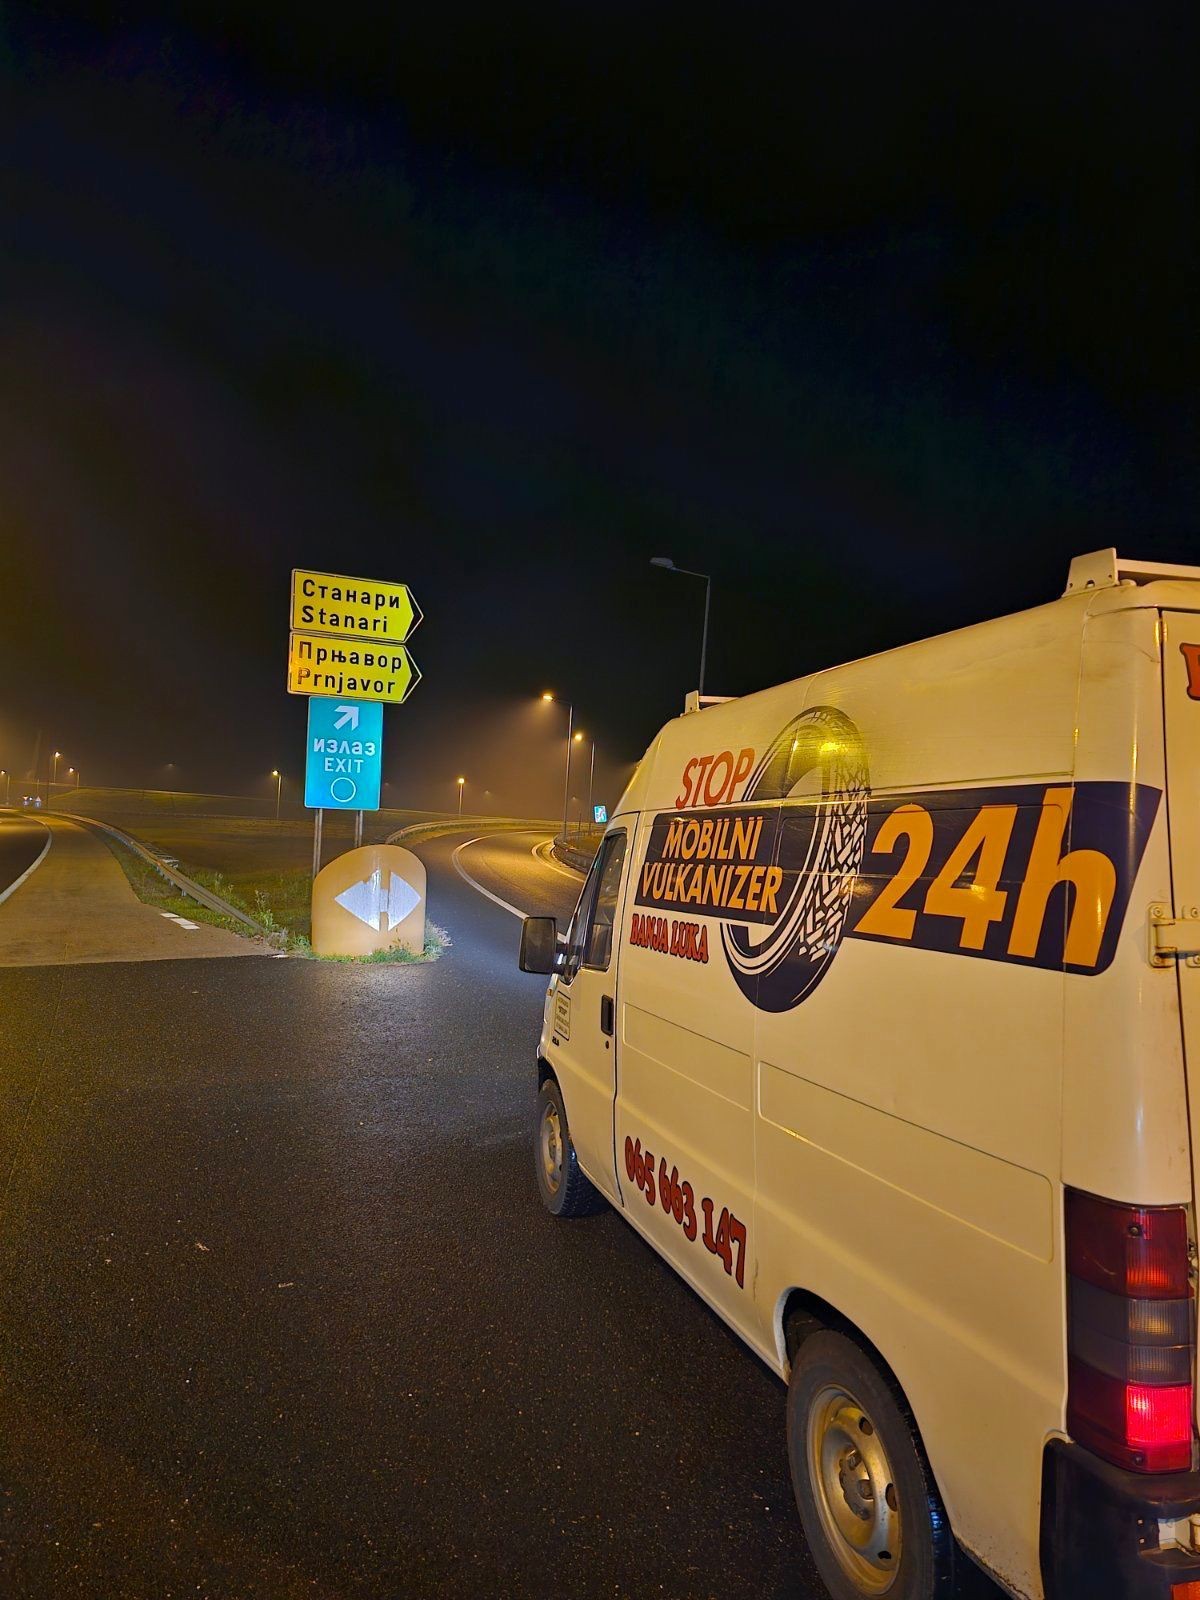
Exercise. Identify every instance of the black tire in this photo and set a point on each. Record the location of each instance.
(862, 1482)
(565, 1191)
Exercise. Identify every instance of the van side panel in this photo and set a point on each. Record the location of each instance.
(909, 1124)
(685, 1094)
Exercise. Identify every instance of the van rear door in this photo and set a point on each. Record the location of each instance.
(1181, 700)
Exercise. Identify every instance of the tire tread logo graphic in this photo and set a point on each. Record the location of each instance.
(820, 846)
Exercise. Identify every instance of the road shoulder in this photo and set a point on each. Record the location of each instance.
(79, 907)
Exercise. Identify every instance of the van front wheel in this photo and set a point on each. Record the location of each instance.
(871, 1512)
(564, 1189)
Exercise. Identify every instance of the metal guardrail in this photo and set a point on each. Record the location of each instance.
(572, 855)
(414, 830)
(194, 891)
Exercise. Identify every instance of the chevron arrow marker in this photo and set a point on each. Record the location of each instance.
(378, 905)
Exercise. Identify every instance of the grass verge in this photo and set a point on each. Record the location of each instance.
(279, 901)
(154, 890)
(436, 940)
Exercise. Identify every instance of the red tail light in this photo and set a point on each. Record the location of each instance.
(1131, 1332)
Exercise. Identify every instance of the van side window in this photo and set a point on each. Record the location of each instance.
(598, 944)
(581, 920)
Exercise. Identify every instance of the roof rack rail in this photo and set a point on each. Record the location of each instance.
(1102, 569)
(695, 701)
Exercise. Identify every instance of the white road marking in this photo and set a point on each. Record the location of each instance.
(475, 884)
(173, 916)
(487, 893)
(31, 869)
(541, 852)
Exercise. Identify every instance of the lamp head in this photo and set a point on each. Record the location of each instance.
(547, 696)
(661, 561)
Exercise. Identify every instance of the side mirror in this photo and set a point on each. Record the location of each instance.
(539, 945)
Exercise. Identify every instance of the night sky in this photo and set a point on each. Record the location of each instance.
(878, 315)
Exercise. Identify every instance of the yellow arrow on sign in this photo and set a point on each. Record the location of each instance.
(363, 608)
(358, 669)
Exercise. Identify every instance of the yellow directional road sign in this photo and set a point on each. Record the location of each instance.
(324, 602)
(358, 669)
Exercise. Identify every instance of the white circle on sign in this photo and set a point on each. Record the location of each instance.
(343, 789)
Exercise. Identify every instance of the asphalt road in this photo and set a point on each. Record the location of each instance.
(22, 841)
(281, 1314)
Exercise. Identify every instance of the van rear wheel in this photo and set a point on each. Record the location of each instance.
(564, 1189)
(869, 1506)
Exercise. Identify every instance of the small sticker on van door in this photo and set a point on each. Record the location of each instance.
(1035, 874)
(562, 1014)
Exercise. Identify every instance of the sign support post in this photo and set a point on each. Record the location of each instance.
(358, 827)
(318, 819)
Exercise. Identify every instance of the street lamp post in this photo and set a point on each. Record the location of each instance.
(669, 565)
(591, 777)
(54, 774)
(579, 819)
(7, 776)
(567, 774)
(278, 776)
(462, 784)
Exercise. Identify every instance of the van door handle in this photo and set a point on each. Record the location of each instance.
(606, 1014)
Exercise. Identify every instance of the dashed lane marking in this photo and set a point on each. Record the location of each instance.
(173, 916)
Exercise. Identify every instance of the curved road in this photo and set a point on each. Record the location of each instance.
(518, 869)
(282, 1318)
(22, 841)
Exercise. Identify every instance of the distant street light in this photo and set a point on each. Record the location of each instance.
(669, 565)
(278, 776)
(7, 776)
(54, 774)
(567, 774)
(462, 784)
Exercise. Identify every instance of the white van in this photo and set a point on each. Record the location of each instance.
(879, 1017)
